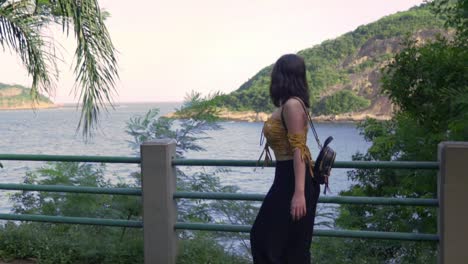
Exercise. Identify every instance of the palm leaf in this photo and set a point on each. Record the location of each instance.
(20, 32)
(95, 61)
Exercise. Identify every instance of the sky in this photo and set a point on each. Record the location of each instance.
(170, 48)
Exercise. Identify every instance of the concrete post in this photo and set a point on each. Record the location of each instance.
(453, 203)
(158, 181)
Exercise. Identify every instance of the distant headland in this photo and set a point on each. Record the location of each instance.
(18, 97)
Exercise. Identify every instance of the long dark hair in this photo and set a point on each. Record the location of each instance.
(288, 79)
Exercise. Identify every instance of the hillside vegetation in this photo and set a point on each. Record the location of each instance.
(344, 73)
(19, 97)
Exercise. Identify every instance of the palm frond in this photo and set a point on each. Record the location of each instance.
(95, 56)
(96, 63)
(20, 32)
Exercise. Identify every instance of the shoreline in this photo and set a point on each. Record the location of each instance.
(251, 116)
(31, 107)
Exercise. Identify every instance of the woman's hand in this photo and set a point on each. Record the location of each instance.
(298, 206)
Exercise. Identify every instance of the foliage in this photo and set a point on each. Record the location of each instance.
(87, 244)
(187, 133)
(456, 14)
(199, 116)
(205, 250)
(328, 64)
(257, 100)
(332, 250)
(429, 85)
(340, 102)
(197, 107)
(94, 244)
(73, 243)
(22, 22)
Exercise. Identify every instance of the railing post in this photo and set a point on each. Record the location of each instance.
(453, 202)
(158, 181)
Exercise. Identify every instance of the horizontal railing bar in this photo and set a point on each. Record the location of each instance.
(322, 199)
(432, 165)
(73, 220)
(320, 232)
(429, 165)
(70, 189)
(70, 158)
(218, 195)
(379, 201)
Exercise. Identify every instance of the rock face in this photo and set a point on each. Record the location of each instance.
(249, 116)
(13, 97)
(365, 82)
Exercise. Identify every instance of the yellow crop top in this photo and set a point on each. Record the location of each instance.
(284, 143)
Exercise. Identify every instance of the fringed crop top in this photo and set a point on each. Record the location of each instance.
(284, 143)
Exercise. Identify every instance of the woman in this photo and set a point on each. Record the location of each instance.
(282, 231)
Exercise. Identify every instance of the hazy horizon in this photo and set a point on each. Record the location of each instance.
(167, 49)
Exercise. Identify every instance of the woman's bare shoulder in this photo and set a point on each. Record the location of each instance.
(295, 115)
(293, 103)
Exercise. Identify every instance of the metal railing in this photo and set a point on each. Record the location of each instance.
(322, 199)
(216, 196)
(165, 170)
(71, 189)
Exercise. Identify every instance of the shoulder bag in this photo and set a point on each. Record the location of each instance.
(326, 157)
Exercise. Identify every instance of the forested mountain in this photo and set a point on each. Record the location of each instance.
(19, 97)
(344, 73)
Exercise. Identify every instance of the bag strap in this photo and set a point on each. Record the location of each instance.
(309, 120)
(266, 151)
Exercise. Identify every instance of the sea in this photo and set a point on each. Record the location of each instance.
(54, 132)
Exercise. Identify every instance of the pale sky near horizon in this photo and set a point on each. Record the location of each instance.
(169, 48)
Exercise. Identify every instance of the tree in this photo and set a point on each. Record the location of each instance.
(259, 100)
(340, 102)
(22, 23)
(429, 85)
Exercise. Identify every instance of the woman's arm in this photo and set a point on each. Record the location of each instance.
(295, 119)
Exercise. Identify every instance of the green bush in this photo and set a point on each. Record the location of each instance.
(63, 243)
(428, 84)
(203, 249)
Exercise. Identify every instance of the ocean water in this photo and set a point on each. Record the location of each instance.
(53, 131)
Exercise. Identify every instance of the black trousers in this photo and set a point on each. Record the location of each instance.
(275, 238)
